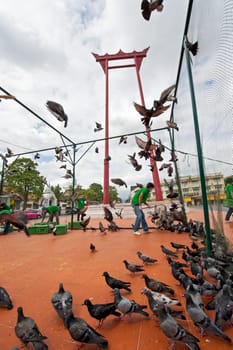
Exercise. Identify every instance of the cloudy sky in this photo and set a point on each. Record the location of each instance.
(47, 54)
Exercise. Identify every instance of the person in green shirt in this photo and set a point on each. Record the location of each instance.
(53, 210)
(5, 209)
(81, 205)
(229, 195)
(139, 198)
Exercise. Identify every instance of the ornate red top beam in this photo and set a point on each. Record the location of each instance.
(139, 55)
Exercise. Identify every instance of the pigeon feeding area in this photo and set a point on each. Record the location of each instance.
(49, 279)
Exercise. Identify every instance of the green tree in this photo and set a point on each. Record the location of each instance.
(23, 177)
(113, 195)
(98, 189)
(57, 190)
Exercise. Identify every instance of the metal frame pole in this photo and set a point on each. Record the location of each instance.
(199, 153)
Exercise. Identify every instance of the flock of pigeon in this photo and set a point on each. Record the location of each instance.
(203, 283)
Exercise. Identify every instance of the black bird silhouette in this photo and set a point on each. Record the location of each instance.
(92, 248)
(113, 282)
(108, 215)
(157, 286)
(85, 223)
(164, 166)
(82, 332)
(123, 139)
(14, 221)
(149, 6)
(57, 110)
(62, 302)
(170, 186)
(96, 150)
(9, 153)
(127, 306)
(146, 259)
(27, 331)
(133, 267)
(98, 127)
(119, 182)
(192, 47)
(37, 156)
(5, 300)
(101, 311)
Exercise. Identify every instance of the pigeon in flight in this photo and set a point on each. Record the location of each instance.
(133, 267)
(5, 300)
(134, 162)
(123, 139)
(97, 150)
(119, 182)
(164, 166)
(27, 331)
(57, 110)
(101, 311)
(192, 47)
(37, 156)
(85, 223)
(102, 229)
(82, 332)
(62, 302)
(9, 153)
(4, 217)
(98, 127)
(119, 213)
(147, 114)
(165, 96)
(127, 306)
(172, 125)
(7, 97)
(113, 282)
(149, 6)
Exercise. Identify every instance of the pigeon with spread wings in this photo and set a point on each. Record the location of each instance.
(149, 6)
(57, 110)
(165, 96)
(147, 114)
(119, 182)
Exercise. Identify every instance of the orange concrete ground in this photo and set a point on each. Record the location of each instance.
(31, 269)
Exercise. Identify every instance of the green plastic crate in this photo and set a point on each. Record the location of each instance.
(76, 225)
(38, 229)
(61, 229)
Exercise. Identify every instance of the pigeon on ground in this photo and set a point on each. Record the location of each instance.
(119, 182)
(162, 298)
(202, 320)
(146, 259)
(82, 332)
(113, 282)
(178, 246)
(98, 127)
(153, 304)
(149, 6)
(62, 302)
(57, 110)
(92, 248)
(5, 300)
(127, 306)
(174, 331)
(14, 221)
(101, 311)
(108, 215)
(194, 291)
(223, 306)
(157, 286)
(27, 331)
(133, 267)
(102, 229)
(168, 251)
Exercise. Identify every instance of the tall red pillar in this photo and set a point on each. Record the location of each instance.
(137, 57)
